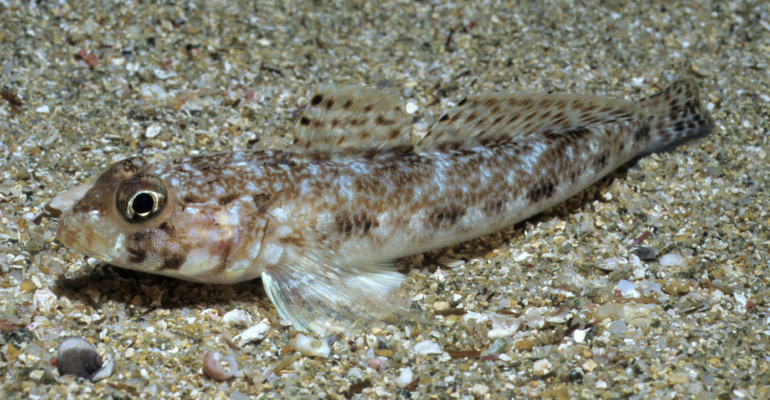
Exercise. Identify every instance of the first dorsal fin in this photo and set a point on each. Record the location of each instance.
(496, 117)
(352, 121)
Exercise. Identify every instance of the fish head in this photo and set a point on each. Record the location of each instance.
(133, 218)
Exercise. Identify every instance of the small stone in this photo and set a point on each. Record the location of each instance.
(440, 305)
(617, 327)
(522, 257)
(411, 108)
(43, 110)
(405, 377)
(672, 260)
(645, 253)
(626, 287)
(479, 389)
(579, 335)
(426, 347)
(676, 286)
(384, 353)
(237, 318)
(677, 378)
(589, 365)
(152, 131)
(311, 347)
(525, 344)
(609, 310)
(714, 361)
(256, 332)
(542, 367)
(36, 374)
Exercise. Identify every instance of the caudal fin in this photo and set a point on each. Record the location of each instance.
(677, 116)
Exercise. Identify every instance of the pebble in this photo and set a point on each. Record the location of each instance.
(253, 334)
(479, 389)
(626, 287)
(152, 131)
(405, 377)
(427, 347)
(311, 347)
(589, 365)
(237, 318)
(672, 260)
(617, 327)
(77, 356)
(542, 367)
(579, 335)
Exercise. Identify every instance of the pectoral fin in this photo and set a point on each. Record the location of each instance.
(324, 293)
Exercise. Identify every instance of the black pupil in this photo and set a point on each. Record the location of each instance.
(142, 203)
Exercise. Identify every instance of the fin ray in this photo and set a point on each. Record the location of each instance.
(352, 121)
(326, 293)
(492, 118)
(678, 116)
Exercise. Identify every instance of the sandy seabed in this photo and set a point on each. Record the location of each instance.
(651, 284)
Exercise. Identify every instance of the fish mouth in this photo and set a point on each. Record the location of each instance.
(76, 235)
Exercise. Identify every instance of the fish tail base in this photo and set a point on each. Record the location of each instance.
(678, 116)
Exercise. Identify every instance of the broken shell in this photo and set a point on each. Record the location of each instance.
(256, 332)
(78, 357)
(311, 347)
(213, 369)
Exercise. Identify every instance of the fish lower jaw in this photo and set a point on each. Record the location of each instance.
(82, 243)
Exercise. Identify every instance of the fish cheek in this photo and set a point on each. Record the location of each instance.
(156, 250)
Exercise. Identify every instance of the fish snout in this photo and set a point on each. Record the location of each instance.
(84, 237)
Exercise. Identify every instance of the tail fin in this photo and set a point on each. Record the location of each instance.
(677, 116)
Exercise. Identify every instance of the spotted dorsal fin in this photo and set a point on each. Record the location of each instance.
(352, 121)
(492, 118)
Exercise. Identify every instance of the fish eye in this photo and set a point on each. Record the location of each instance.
(141, 197)
(143, 204)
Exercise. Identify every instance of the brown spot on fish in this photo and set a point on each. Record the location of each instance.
(642, 134)
(166, 227)
(316, 100)
(445, 217)
(173, 262)
(225, 200)
(136, 255)
(290, 240)
(223, 260)
(380, 120)
(262, 200)
(304, 121)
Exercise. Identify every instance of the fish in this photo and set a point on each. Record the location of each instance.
(323, 221)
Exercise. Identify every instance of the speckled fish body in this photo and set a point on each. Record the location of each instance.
(322, 222)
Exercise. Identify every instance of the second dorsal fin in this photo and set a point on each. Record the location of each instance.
(352, 121)
(496, 117)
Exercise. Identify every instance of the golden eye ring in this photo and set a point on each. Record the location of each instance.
(144, 204)
(141, 197)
